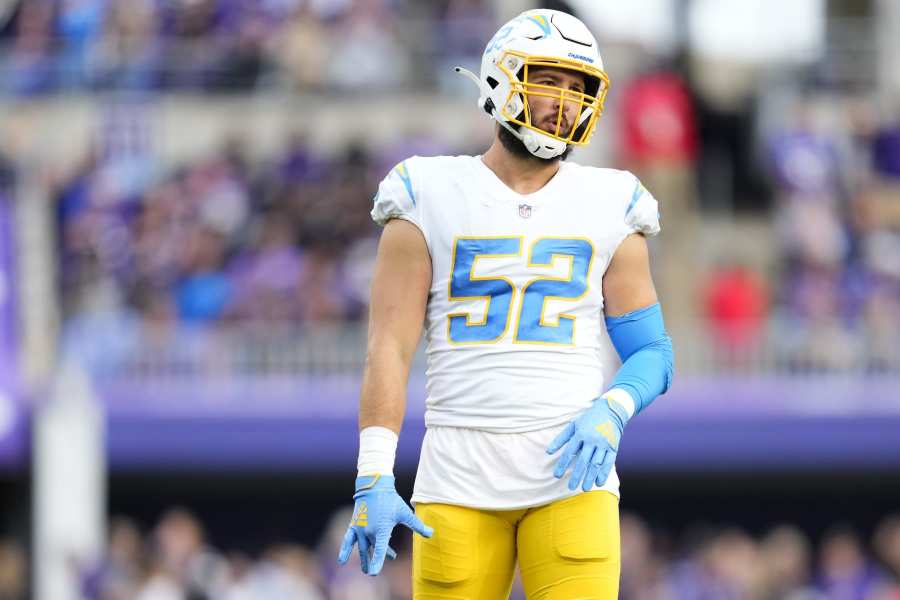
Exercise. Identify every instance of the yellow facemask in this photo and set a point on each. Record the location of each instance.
(586, 121)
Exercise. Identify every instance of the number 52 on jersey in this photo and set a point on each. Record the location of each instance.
(499, 291)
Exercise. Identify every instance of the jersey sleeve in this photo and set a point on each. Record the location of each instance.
(398, 196)
(642, 211)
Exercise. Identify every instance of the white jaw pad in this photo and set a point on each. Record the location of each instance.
(542, 146)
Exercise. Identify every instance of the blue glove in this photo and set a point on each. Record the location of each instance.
(378, 509)
(591, 442)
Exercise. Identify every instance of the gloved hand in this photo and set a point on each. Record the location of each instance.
(378, 509)
(591, 441)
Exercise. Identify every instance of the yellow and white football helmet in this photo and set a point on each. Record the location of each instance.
(541, 38)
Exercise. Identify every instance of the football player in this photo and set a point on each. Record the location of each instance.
(522, 268)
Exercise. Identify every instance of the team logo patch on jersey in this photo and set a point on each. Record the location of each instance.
(525, 211)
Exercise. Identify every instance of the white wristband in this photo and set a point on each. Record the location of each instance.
(377, 451)
(622, 398)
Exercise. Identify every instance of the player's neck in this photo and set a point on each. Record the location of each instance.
(521, 175)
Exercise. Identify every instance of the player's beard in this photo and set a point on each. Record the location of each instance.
(515, 147)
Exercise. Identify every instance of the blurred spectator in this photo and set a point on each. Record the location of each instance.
(659, 132)
(736, 560)
(886, 152)
(368, 59)
(302, 49)
(29, 64)
(736, 302)
(267, 277)
(785, 552)
(205, 291)
(323, 295)
(844, 570)
(193, 50)
(129, 55)
(288, 572)
(694, 576)
(808, 172)
(816, 335)
(242, 61)
(643, 571)
(887, 549)
(299, 164)
(116, 576)
(461, 31)
(79, 23)
(726, 566)
(181, 557)
(13, 570)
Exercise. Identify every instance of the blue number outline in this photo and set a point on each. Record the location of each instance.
(569, 279)
(471, 277)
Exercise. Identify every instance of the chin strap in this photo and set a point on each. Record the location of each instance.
(531, 142)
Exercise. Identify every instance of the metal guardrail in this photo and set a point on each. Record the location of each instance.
(325, 350)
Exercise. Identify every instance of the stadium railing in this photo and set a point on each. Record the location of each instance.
(339, 349)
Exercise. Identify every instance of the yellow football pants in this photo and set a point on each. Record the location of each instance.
(567, 550)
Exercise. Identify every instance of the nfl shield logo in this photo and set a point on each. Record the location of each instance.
(524, 211)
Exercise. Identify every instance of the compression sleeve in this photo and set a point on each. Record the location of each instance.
(645, 348)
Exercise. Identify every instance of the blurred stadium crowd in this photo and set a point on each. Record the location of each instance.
(175, 559)
(225, 239)
(836, 213)
(165, 261)
(215, 46)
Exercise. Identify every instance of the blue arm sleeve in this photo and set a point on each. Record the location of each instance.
(645, 348)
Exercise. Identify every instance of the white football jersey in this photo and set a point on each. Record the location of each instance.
(514, 323)
(517, 345)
